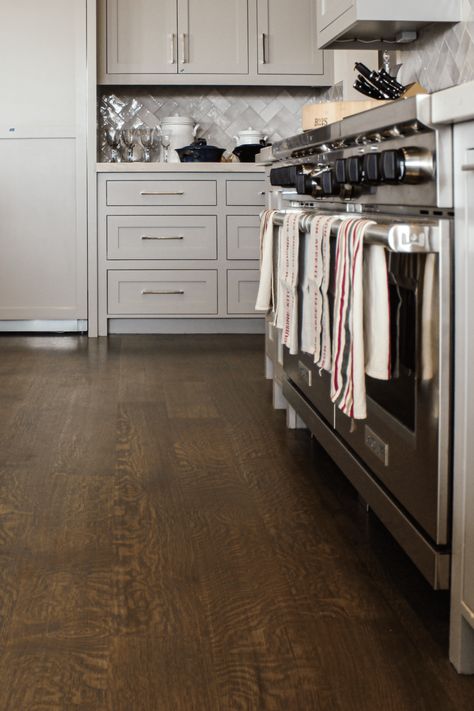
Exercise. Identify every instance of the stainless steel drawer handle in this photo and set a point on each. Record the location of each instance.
(162, 292)
(160, 194)
(184, 55)
(172, 49)
(163, 237)
(263, 54)
(469, 167)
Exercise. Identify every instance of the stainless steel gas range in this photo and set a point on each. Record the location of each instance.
(392, 166)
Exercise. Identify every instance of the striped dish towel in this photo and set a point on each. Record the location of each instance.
(316, 336)
(286, 316)
(348, 359)
(266, 296)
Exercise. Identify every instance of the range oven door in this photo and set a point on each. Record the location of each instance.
(405, 440)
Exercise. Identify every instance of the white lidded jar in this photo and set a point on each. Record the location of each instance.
(181, 131)
(250, 137)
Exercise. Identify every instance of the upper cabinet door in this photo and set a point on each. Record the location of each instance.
(40, 69)
(141, 37)
(213, 37)
(287, 38)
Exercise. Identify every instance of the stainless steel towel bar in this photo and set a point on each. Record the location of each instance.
(405, 237)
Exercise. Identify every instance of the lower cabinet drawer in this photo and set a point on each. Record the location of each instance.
(243, 236)
(173, 237)
(242, 288)
(161, 192)
(162, 292)
(245, 192)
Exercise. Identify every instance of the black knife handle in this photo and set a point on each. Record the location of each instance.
(378, 82)
(366, 89)
(393, 82)
(377, 93)
(363, 69)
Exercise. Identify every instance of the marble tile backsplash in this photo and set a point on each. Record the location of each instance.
(442, 56)
(220, 111)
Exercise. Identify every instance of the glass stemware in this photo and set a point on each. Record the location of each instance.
(129, 137)
(150, 141)
(113, 136)
(166, 142)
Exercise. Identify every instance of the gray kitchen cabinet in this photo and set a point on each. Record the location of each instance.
(202, 42)
(213, 37)
(147, 37)
(342, 24)
(141, 37)
(191, 259)
(462, 573)
(287, 39)
(43, 164)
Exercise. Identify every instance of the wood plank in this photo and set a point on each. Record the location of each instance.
(166, 543)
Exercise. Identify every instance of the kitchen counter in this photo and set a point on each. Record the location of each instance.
(454, 105)
(180, 168)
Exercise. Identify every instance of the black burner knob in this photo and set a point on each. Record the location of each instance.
(341, 173)
(328, 183)
(275, 176)
(371, 166)
(354, 170)
(392, 166)
(304, 184)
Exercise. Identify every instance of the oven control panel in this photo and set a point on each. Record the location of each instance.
(354, 175)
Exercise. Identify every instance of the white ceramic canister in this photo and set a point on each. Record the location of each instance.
(249, 137)
(181, 131)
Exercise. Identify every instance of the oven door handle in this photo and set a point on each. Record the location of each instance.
(413, 238)
(399, 237)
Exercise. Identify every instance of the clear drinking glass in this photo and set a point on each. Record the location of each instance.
(130, 139)
(150, 141)
(165, 142)
(113, 136)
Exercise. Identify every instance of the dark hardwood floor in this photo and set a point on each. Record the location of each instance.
(167, 545)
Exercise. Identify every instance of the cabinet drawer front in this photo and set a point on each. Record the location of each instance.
(243, 236)
(242, 288)
(161, 192)
(162, 292)
(245, 192)
(174, 237)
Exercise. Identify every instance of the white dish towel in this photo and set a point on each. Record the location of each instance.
(348, 358)
(286, 316)
(266, 296)
(315, 330)
(429, 324)
(376, 314)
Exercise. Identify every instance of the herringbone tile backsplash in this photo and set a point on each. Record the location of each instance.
(442, 56)
(221, 111)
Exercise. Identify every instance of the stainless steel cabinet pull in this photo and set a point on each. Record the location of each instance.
(146, 192)
(184, 55)
(469, 167)
(263, 50)
(164, 237)
(172, 48)
(162, 292)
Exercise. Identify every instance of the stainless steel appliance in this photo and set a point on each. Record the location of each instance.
(391, 165)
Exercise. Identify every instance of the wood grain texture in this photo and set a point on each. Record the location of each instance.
(167, 545)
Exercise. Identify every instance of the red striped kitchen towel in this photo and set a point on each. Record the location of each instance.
(286, 316)
(266, 295)
(348, 360)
